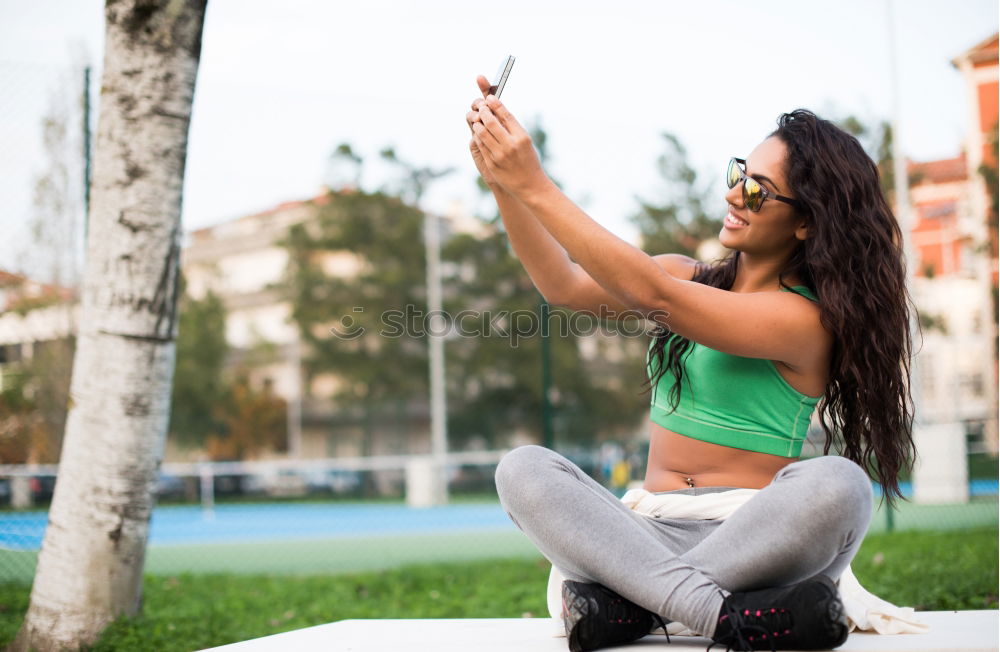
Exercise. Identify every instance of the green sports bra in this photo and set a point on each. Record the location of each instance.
(733, 401)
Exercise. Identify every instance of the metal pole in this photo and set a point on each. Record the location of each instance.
(207, 481)
(548, 439)
(435, 342)
(294, 409)
(902, 192)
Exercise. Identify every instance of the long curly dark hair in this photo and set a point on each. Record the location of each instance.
(853, 262)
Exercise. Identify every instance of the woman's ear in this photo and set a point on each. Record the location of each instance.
(802, 230)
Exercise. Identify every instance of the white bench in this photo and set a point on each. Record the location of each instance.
(951, 631)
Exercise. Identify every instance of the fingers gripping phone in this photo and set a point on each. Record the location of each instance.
(501, 77)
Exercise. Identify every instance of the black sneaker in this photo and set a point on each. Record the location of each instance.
(806, 616)
(597, 617)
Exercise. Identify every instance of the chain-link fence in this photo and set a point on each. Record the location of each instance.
(315, 516)
(331, 516)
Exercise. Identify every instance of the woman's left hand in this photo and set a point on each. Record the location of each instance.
(507, 148)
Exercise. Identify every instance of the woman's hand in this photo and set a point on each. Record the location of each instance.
(472, 117)
(507, 156)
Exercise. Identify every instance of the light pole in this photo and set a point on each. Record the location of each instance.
(435, 343)
(548, 436)
(902, 192)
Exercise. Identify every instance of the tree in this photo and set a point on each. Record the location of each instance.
(251, 420)
(21, 426)
(877, 141)
(51, 255)
(343, 168)
(496, 376)
(53, 252)
(214, 408)
(413, 184)
(48, 372)
(340, 317)
(90, 567)
(682, 222)
(33, 402)
(198, 388)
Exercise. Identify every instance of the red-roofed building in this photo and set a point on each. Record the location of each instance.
(31, 314)
(20, 293)
(979, 68)
(954, 235)
(243, 262)
(942, 231)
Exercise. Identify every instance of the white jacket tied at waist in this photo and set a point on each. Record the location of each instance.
(864, 610)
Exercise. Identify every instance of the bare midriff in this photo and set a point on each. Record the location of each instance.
(679, 462)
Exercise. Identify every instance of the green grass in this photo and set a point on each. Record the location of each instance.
(931, 570)
(983, 465)
(188, 612)
(940, 570)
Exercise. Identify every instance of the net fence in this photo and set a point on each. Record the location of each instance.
(291, 517)
(351, 514)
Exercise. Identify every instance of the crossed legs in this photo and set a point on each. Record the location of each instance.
(811, 519)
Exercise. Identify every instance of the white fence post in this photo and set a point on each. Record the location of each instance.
(207, 491)
(425, 482)
(20, 492)
(941, 474)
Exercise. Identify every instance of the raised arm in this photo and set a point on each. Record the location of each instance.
(774, 325)
(560, 280)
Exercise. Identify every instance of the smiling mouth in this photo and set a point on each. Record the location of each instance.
(732, 220)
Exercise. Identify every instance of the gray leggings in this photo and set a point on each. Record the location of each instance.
(811, 519)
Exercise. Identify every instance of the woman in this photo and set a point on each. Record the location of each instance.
(809, 309)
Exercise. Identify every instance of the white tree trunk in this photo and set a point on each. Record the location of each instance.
(90, 566)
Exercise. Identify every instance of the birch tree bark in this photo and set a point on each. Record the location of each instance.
(90, 566)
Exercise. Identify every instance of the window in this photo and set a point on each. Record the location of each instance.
(10, 353)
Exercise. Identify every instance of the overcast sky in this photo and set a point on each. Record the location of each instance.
(282, 83)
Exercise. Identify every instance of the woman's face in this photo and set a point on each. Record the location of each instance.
(775, 229)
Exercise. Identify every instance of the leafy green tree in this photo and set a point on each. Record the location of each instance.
(368, 328)
(34, 406)
(683, 221)
(50, 369)
(199, 386)
(34, 403)
(379, 356)
(344, 168)
(494, 369)
(21, 425)
(495, 373)
(252, 420)
(877, 141)
(415, 179)
(215, 408)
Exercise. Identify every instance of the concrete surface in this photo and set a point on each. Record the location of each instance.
(951, 631)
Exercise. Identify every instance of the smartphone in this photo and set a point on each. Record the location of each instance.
(501, 77)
